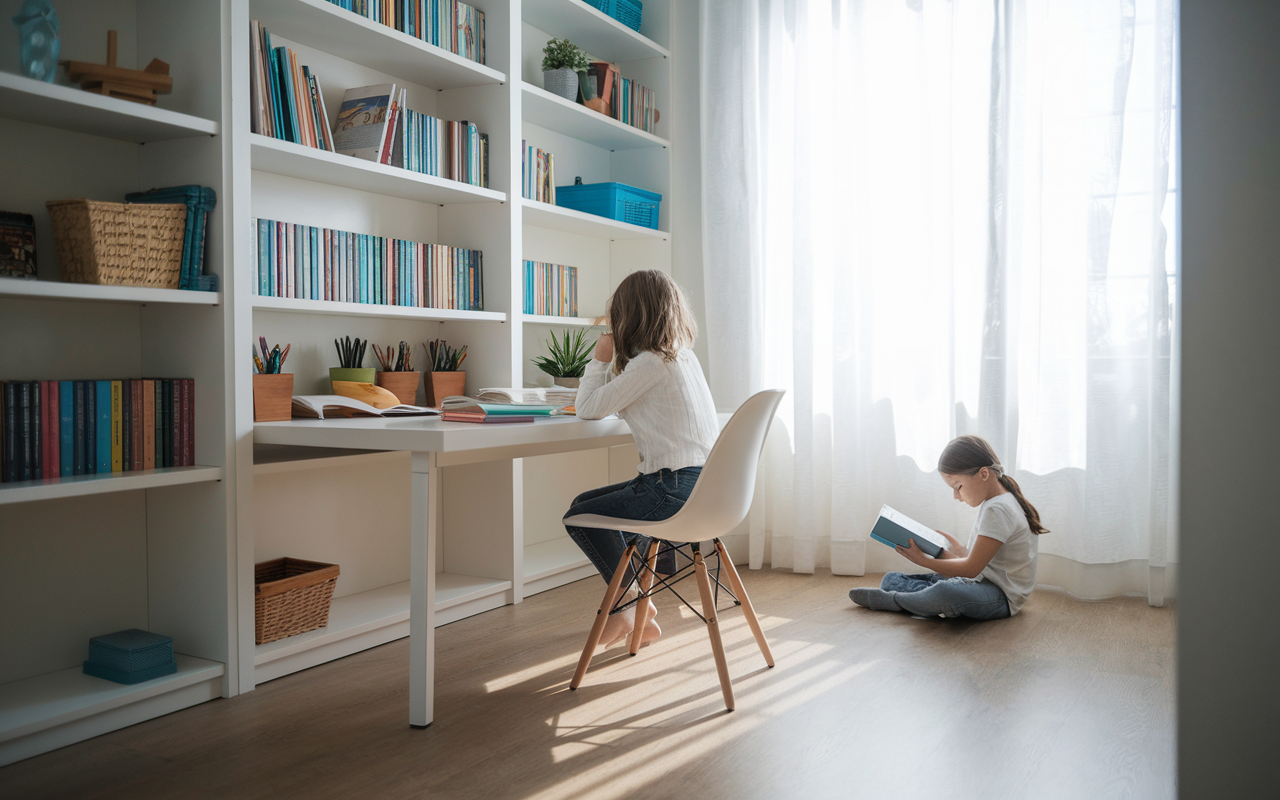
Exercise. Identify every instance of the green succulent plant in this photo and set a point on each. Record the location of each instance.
(564, 54)
(569, 357)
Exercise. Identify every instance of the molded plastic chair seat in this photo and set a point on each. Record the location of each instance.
(719, 502)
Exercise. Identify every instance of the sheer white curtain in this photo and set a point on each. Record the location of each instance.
(932, 217)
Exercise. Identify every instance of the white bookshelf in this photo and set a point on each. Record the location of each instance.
(595, 31)
(554, 563)
(146, 549)
(579, 122)
(375, 310)
(560, 322)
(568, 220)
(72, 109)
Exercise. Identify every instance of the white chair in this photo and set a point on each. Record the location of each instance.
(719, 502)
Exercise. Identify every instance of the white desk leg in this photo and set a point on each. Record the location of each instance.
(422, 590)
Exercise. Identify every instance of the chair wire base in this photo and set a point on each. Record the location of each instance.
(661, 582)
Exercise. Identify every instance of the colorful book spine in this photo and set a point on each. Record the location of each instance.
(550, 289)
(448, 24)
(102, 428)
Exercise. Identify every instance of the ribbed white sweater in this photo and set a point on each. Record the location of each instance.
(667, 404)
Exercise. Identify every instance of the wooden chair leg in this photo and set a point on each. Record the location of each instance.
(642, 605)
(713, 627)
(748, 611)
(602, 616)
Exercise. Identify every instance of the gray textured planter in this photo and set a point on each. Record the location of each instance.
(562, 82)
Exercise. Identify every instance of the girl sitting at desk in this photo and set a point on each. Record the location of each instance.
(645, 372)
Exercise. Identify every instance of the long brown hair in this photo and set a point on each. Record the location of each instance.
(967, 455)
(648, 312)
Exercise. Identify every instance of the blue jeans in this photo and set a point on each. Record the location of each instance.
(932, 595)
(658, 495)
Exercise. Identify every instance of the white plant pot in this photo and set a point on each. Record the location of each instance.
(562, 82)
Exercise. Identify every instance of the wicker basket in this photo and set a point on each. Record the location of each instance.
(122, 244)
(291, 596)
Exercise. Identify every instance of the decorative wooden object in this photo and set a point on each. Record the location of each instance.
(272, 397)
(138, 85)
(404, 385)
(375, 396)
(444, 384)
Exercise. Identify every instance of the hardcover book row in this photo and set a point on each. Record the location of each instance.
(57, 429)
(303, 261)
(447, 24)
(539, 174)
(550, 289)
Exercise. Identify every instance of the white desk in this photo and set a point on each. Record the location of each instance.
(435, 444)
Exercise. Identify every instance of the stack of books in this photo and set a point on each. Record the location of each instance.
(443, 148)
(54, 429)
(447, 24)
(550, 289)
(539, 174)
(554, 396)
(606, 91)
(310, 263)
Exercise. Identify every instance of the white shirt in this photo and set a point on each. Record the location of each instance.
(1013, 567)
(667, 405)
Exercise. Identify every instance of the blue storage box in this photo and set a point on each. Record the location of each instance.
(130, 656)
(625, 11)
(613, 200)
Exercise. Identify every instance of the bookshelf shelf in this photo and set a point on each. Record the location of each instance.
(590, 29)
(459, 596)
(55, 290)
(55, 709)
(81, 485)
(269, 459)
(76, 110)
(568, 220)
(558, 114)
(308, 163)
(291, 305)
(561, 322)
(325, 26)
(554, 563)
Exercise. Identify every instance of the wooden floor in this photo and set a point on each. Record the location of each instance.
(1070, 699)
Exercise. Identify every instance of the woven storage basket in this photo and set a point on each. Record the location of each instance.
(291, 596)
(121, 244)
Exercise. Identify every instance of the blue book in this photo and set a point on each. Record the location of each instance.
(66, 428)
(90, 427)
(102, 426)
(897, 530)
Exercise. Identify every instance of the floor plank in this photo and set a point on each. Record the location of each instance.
(1068, 699)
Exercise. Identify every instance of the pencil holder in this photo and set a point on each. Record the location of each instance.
(272, 397)
(352, 374)
(404, 385)
(444, 384)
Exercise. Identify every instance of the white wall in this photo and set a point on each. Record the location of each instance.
(1228, 703)
(686, 166)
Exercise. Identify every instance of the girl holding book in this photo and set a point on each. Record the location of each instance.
(644, 371)
(990, 578)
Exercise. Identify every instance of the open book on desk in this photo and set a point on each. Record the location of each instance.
(897, 529)
(318, 406)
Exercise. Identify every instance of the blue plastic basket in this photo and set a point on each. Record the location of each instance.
(627, 12)
(613, 200)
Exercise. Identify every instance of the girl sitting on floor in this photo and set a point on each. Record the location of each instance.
(992, 577)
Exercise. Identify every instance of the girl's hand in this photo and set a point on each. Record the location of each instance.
(604, 348)
(949, 537)
(914, 554)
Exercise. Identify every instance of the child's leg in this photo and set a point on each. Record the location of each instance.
(956, 597)
(898, 582)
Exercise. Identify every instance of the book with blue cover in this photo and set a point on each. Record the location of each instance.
(897, 529)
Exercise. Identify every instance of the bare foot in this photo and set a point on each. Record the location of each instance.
(619, 627)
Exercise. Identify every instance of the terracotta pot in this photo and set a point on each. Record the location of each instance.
(444, 384)
(273, 397)
(404, 385)
(568, 383)
(353, 374)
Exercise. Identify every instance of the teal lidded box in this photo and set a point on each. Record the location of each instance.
(131, 656)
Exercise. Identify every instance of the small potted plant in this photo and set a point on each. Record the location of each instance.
(562, 60)
(351, 362)
(272, 389)
(397, 375)
(569, 358)
(444, 379)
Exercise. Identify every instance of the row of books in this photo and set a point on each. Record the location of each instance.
(303, 261)
(603, 89)
(539, 174)
(55, 429)
(373, 123)
(447, 24)
(550, 289)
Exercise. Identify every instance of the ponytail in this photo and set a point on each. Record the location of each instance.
(1033, 516)
(966, 455)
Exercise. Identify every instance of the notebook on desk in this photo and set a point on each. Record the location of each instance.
(468, 409)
